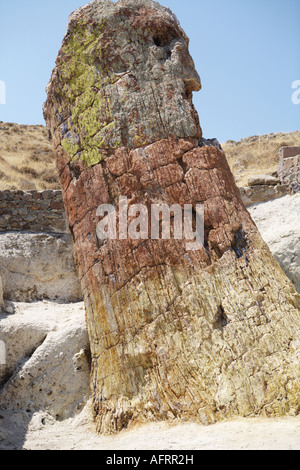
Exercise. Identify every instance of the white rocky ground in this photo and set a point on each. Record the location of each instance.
(279, 224)
(44, 403)
(44, 433)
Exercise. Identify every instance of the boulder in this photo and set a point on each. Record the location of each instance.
(263, 180)
(261, 193)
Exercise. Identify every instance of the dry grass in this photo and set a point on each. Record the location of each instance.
(27, 160)
(257, 155)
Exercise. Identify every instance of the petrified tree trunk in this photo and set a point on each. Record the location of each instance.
(175, 334)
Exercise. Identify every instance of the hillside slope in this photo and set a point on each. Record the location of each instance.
(257, 155)
(27, 160)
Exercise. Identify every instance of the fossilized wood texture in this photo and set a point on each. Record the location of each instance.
(124, 77)
(175, 334)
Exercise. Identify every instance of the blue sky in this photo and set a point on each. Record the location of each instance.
(247, 53)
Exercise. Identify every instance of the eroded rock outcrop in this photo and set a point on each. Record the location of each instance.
(36, 266)
(279, 225)
(47, 363)
(175, 334)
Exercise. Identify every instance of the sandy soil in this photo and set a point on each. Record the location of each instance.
(43, 433)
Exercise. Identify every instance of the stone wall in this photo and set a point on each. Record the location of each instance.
(256, 194)
(36, 248)
(289, 168)
(43, 211)
(32, 211)
(288, 152)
